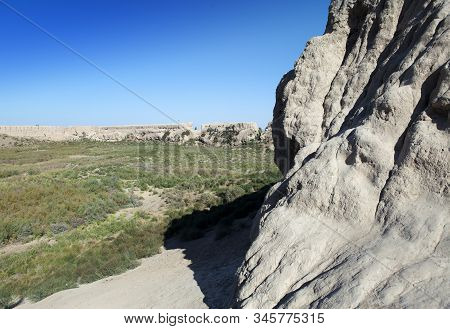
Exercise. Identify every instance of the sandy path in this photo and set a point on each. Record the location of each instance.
(150, 203)
(194, 274)
(161, 281)
(14, 248)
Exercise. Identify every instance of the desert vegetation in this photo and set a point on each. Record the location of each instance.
(75, 212)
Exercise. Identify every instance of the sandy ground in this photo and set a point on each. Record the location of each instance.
(195, 274)
(161, 281)
(21, 247)
(150, 203)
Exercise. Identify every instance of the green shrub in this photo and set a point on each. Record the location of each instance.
(37, 202)
(8, 173)
(80, 256)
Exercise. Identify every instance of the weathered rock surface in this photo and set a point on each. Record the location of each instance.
(360, 130)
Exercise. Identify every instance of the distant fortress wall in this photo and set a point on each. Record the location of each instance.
(113, 133)
(237, 126)
(186, 126)
(211, 134)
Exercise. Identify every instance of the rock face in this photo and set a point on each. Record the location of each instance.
(360, 130)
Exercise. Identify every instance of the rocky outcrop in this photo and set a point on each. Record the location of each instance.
(360, 130)
(230, 133)
(233, 134)
(266, 136)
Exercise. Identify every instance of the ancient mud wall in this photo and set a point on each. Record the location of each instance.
(216, 133)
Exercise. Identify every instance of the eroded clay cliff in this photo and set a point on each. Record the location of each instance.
(361, 133)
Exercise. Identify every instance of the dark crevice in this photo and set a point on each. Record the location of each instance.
(356, 21)
(383, 71)
(285, 147)
(376, 25)
(408, 73)
(427, 87)
(291, 294)
(399, 148)
(268, 276)
(272, 198)
(308, 157)
(318, 302)
(371, 36)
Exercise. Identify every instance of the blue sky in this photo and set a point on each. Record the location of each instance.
(199, 61)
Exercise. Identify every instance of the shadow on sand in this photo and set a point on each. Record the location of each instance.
(216, 241)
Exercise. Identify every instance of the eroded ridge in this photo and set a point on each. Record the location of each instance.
(361, 133)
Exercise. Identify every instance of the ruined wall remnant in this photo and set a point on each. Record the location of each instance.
(211, 134)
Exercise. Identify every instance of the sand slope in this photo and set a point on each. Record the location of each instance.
(161, 281)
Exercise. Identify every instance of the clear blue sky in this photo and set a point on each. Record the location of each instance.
(201, 61)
